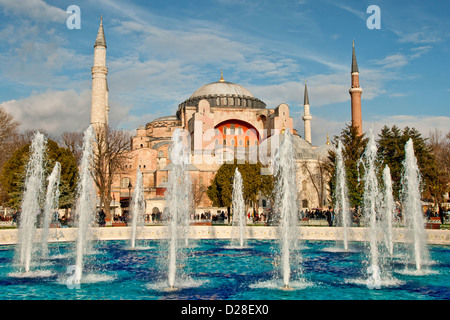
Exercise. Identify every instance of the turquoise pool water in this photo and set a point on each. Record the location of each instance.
(216, 271)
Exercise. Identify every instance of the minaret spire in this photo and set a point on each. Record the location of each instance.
(355, 94)
(306, 115)
(99, 105)
(354, 63)
(305, 97)
(100, 40)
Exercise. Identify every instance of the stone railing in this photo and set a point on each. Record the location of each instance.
(9, 236)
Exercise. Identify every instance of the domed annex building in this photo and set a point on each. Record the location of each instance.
(222, 121)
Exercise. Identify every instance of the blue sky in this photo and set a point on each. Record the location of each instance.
(160, 52)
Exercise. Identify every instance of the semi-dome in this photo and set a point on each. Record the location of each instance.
(224, 94)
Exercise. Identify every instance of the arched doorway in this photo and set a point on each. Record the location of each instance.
(236, 133)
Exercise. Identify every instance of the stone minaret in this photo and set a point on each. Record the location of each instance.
(355, 94)
(99, 106)
(307, 116)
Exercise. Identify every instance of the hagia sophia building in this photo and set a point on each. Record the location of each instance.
(223, 121)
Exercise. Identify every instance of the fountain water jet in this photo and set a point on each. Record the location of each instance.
(31, 203)
(138, 207)
(51, 205)
(86, 203)
(389, 207)
(412, 207)
(286, 206)
(178, 201)
(342, 206)
(239, 219)
(371, 207)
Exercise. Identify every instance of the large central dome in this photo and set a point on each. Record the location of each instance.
(223, 94)
(222, 87)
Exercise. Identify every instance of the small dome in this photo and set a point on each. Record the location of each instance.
(322, 151)
(302, 149)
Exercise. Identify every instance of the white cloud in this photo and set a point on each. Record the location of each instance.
(58, 111)
(34, 55)
(393, 61)
(37, 10)
(423, 123)
(320, 126)
(425, 35)
(53, 111)
(323, 89)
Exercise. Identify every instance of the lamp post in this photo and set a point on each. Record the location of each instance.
(129, 199)
(114, 208)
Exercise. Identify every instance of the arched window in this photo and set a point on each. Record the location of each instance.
(160, 154)
(125, 182)
(305, 203)
(304, 185)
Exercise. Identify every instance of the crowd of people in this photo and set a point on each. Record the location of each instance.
(435, 214)
(253, 216)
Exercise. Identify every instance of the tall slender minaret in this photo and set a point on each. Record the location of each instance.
(99, 106)
(355, 94)
(306, 115)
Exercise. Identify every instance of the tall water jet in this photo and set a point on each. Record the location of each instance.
(370, 208)
(86, 202)
(51, 205)
(138, 207)
(239, 219)
(178, 204)
(412, 209)
(388, 208)
(286, 207)
(32, 198)
(342, 205)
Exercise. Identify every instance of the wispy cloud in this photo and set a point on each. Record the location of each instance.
(422, 36)
(37, 10)
(58, 111)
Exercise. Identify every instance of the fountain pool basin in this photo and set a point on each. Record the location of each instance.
(217, 271)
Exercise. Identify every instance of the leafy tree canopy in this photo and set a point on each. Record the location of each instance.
(14, 172)
(391, 151)
(353, 148)
(221, 189)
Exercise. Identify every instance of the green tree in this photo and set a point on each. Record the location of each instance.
(221, 189)
(14, 171)
(391, 151)
(353, 148)
(440, 147)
